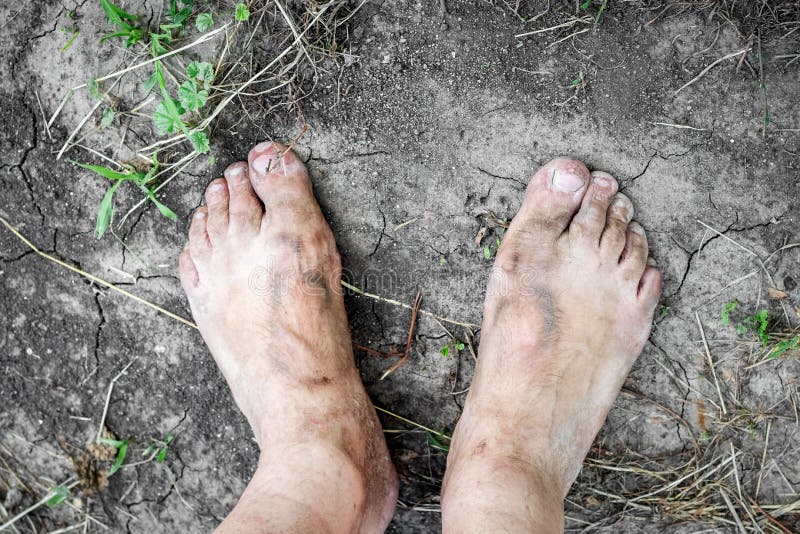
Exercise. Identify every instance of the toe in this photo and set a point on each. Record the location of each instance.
(217, 202)
(553, 195)
(199, 243)
(588, 224)
(244, 209)
(612, 242)
(634, 255)
(650, 287)
(187, 271)
(282, 183)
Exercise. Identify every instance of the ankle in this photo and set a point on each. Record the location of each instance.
(303, 475)
(506, 492)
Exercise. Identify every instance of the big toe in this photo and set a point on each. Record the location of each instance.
(553, 196)
(282, 183)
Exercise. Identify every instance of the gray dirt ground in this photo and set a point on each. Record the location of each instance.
(437, 121)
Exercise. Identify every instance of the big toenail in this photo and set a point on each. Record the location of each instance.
(263, 164)
(261, 147)
(567, 181)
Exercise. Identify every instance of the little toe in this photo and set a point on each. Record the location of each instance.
(187, 271)
(217, 202)
(634, 255)
(588, 224)
(614, 236)
(282, 183)
(199, 243)
(244, 210)
(650, 287)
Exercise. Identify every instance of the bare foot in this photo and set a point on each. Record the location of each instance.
(262, 275)
(568, 309)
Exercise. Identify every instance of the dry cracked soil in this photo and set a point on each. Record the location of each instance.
(420, 133)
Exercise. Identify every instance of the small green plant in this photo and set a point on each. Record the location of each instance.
(57, 495)
(785, 345)
(242, 12)
(204, 21)
(487, 252)
(759, 323)
(144, 180)
(663, 311)
(108, 117)
(160, 445)
(124, 22)
(436, 443)
(122, 450)
(725, 320)
(453, 344)
(442, 261)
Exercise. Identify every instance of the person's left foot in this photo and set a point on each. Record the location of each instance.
(262, 275)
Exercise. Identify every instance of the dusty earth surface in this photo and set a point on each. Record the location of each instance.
(424, 131)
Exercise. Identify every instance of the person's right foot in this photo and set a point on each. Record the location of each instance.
(568, 310)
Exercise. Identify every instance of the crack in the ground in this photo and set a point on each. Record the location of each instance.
(99, 330)
(380, 237)
(499, 177)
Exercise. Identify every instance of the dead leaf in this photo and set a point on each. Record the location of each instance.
(777, 294)
(101, 451)
(479, 236)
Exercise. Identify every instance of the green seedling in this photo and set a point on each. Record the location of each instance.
(144, 180)
(122, 450)
(93, 88)
(433, 441)
(442, 261)
(176, 16)
(108, 117)
(663, 311)
(58, 495)
(487, 252)
(160, 445)
(585, 5)
(785, 345)
(167, 116)
(758, 322)
(204, 21)
(242, 12)
(73, 33)
(726, 312)
(453, 344)
(124, 22)
(201, 72)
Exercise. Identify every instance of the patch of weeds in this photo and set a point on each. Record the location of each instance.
(452, 345)
(143, 180)
(759, 323)
(159, 447)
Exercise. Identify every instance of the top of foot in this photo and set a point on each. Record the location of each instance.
(568, 310)
(262, 273)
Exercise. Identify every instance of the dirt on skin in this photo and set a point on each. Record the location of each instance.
(424, 133)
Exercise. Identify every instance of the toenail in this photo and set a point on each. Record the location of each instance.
(568, 181)
(263, 164)
(652, 262)
(602, 181)
(199, 215)
(214, 188)
(264, 146)
(636, 227)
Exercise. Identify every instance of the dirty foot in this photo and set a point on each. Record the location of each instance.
(262, 275)
(568, 309)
